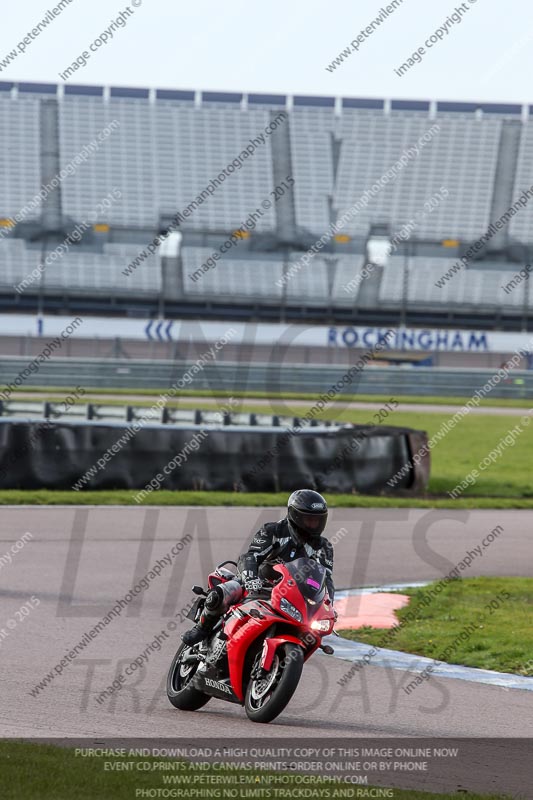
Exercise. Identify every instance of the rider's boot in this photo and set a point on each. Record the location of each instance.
(210, 615)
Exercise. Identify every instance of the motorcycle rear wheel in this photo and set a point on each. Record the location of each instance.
(266, 698)
(179, 690)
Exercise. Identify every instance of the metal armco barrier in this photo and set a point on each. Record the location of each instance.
(267, 378)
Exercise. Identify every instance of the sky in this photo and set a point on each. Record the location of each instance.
(282, 46)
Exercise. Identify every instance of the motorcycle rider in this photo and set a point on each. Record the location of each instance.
(298, 535)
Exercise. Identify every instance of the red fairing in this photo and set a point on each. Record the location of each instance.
(219, 576)
(241, 633)
(287, 601)
(271, 645)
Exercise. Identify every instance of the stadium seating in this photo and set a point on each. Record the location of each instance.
(163, 154)
(16, 262)
(311, 143)
(77, 271)
(472, 287)
(19, 156)
(521, 225)
(461, 157)
(252, 277)
(166, 147)
(309, 284)
(85, 272)
(232, 277)
(347, 279)
(162, 158)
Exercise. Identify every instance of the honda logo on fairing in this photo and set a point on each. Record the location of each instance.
(217, 685)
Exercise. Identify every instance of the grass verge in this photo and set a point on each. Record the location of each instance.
(123, 497)
(62, 391)
(46, 772)
(476, 622)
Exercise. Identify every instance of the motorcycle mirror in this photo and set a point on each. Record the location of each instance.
(198, 590)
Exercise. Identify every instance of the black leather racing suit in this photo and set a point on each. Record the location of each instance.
(273, 544)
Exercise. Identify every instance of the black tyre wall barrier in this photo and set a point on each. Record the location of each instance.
(358, 458)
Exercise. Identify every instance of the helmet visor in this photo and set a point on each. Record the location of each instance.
(311, 524)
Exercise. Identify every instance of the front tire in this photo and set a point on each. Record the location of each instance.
(179, 690)
(266, 698)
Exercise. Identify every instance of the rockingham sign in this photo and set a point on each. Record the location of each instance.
(424, 339)
(428, 340)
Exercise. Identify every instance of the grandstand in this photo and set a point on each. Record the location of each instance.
(204, 162)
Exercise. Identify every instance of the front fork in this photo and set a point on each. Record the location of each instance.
(270, 645)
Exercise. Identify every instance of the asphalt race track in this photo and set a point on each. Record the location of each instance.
(80, 561)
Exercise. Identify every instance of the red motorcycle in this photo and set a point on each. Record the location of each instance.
(256, 651)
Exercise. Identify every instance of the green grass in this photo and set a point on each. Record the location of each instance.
(465, 446)
(46, 772)
(46, 497)
(62, 391)
(502, 640)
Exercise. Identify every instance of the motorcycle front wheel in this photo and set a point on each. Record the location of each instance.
(266, 697)
(179, 690)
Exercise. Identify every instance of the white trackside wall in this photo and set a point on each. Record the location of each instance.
(420, 340)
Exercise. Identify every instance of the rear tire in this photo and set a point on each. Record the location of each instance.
(179, 690)
(266, 699)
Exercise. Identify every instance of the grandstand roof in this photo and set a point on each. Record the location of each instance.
(200, 97)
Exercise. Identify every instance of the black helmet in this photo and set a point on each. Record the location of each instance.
(308, 512)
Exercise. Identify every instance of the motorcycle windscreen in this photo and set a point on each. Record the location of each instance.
(310, 577)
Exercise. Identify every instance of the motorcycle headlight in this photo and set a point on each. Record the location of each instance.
(322, 625)
(289, 609)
